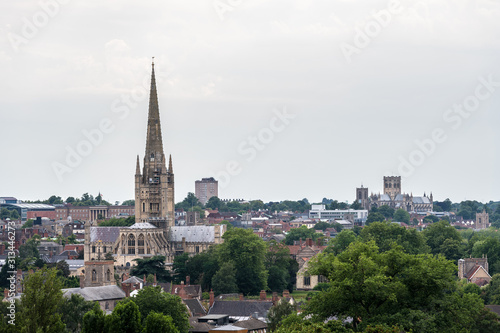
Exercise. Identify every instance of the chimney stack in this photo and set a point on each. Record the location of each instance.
(263, 295)
(241, 297)
(286, 294)
(144, 279)
(188, 280)
(275, 298)
(154, 281)
(212, 298)
(82, 280)
(6, 293)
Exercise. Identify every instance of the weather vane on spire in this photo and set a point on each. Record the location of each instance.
(153, 60)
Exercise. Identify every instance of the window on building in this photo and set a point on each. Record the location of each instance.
(140, 244)
(94, 275)
(307, 280)
(108, 275)
(93, 249)
(197, 249)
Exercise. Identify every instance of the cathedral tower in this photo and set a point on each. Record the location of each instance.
(154, 188)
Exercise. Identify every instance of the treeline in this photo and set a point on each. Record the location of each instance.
(43, 308)
(85, 200)
(386, 278)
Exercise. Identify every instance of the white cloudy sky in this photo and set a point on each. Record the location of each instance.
(221, 81)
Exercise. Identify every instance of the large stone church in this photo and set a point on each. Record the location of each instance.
(394, 198)
(154, 231)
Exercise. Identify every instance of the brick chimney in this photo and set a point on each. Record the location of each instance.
(263, 295)
(309, 241)
(188, 280)
(275, 298)
(286, 294)
(212, 298)
(82, 280)
(300, 242)
(6, 293)
(154, 281)
(126, 289)
(241, 297)
(144, 279)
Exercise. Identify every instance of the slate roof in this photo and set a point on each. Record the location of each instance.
(195, 307)
(105, 234)
(133, 279)
(96, 293)
(194, 234)
(197, 327)
(251, 324)
(193, 290)
(229, 327)
(421, 200)
(241, 308)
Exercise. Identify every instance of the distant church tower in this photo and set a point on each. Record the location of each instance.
(154, 188)
(392, 186)
(362, 197)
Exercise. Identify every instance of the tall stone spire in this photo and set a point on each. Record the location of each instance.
(138, 167)
(154, 144)
(170, 168)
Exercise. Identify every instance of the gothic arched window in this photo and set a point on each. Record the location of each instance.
(108, 275)
(94, 275)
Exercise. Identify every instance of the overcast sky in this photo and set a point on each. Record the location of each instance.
(276, 99)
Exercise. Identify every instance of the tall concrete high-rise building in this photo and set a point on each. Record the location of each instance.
(206, 188)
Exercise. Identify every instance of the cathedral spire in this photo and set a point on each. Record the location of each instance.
(170, 168)
(154, 144)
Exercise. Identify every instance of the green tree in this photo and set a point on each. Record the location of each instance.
(55, 200)
(375, 217)
(402, 215)
(72, 309)
(180, 267)
(28, 224)
(153, 299)
(29, 250)
(214, 203)
(386, 234)
(387, 211)
(341, 241)
(128, 203)
(437, 233)
(70, 200)
(281, 267)
(491, 293)
(118, 222)
(153, 265)
(247, 251)
(303, 233)
(39, 303)
(159, 323)
(124, 318)
(322, 226)
(278, 312)
(224, 281)
(393, 283)
(62, 268)
(4, 214)
(94, 320)
(14, 215)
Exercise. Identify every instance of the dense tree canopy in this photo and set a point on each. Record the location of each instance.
(153, 265)
(414, 292)
(303, 233)
(247, 251)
